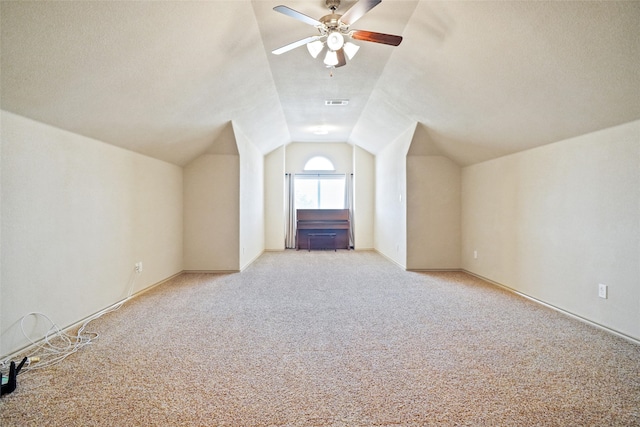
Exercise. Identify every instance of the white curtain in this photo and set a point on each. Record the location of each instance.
(290, 213)
(348, 203)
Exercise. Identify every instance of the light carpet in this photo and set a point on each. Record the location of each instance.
(327, 338)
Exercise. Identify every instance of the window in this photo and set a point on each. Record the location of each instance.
(319, 163)
(319, 191)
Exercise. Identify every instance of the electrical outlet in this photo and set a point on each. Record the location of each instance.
(602, 291)
(139, 267)
(475, 254)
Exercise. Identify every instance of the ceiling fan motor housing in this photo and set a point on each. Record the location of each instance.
(333, 4)
(331, 21)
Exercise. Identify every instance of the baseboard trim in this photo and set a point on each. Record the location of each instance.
(80, 322)
(223, 271)
(210, 271)
(254, 259)
(558, 309)
(148, 288)
(492, 282)
(390, 259)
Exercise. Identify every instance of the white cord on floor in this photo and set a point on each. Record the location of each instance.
(57, 345)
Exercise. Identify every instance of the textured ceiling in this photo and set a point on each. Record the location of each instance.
(481, 79)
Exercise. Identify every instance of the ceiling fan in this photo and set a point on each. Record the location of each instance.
(333, 28)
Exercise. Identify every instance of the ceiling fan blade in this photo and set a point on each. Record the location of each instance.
(297, 15)
(294, 45)
(358, 10)
(370, 36)
(341, 59)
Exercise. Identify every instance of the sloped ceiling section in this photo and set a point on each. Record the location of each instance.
(487, 79)
(477, 79)
(159, 78)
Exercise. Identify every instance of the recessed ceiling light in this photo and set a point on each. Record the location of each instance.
(320, 130)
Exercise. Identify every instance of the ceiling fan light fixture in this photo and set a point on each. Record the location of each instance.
(331, 58)
(333, 29)
(350, 49)
(315, 48)
(335, 40)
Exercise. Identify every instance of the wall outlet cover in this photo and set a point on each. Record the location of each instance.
(602, 291)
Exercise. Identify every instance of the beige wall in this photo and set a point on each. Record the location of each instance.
(211, 213)
(551, 223)
(224, 205)
(556, 221)
(390, 221)
(252, 211)
(77, 215)
(364, 198)
(274, 194)
(433, 213)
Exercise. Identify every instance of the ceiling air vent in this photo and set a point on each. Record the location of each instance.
(336, 102)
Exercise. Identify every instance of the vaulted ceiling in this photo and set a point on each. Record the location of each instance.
(479, 79)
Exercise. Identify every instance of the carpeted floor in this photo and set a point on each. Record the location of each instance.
(334, 339)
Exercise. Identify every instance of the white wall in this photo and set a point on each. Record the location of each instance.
(556, 221)
(274, 194)
(390, 222)
(433, 213)
(252, 210)
(77, 215)
(363, 198)
(298, 153)
(211, 213)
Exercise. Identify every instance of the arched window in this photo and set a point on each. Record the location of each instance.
(319, 163)
(318, 187)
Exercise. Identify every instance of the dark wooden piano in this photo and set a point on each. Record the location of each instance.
(322, 229)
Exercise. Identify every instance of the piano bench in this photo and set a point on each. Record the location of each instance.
(321, 236)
